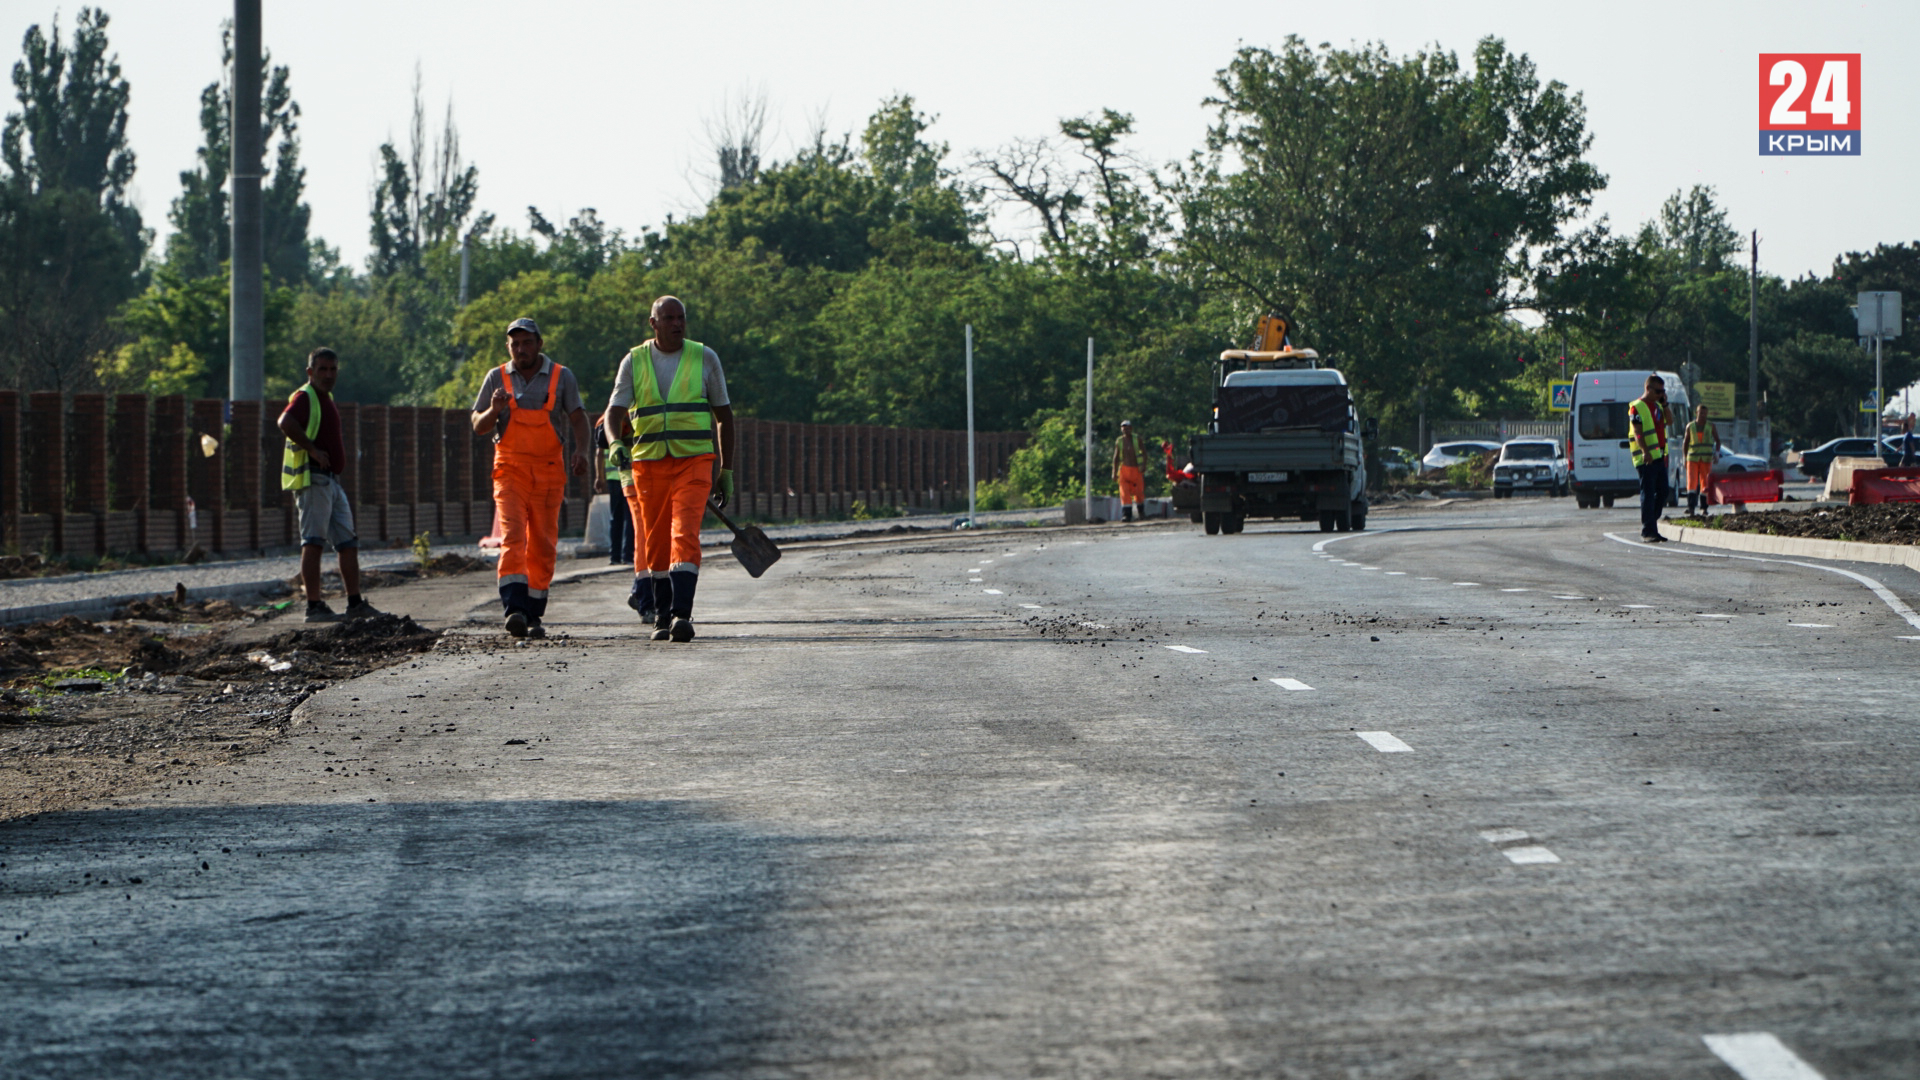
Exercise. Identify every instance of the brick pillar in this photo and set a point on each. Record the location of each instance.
(207, 481)
(132, 443)
(46, 445)
(459, 440)
(433, 469)
(12, 501)
(169, 472)
(376, 449)
(244, 461)
(87, 434)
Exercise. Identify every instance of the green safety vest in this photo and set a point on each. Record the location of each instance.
(1644, 423)
(1700, 441)
(690, 433)
(295, 472)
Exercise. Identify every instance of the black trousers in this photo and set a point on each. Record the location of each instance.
(1654, 488)
(619, 525)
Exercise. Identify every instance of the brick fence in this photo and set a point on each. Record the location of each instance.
(88, 474)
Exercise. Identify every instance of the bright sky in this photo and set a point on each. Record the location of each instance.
(572, 103)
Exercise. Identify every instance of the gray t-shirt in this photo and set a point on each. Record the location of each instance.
(532, 394)
(665, 366)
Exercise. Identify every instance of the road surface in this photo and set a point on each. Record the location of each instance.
(1481, 793)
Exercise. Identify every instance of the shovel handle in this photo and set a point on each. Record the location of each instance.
(721, 514)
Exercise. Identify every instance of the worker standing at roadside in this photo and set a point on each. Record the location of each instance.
(1127, 475)
(682, 438)
(619, 477)
(1703, 449)
(1647, 423)
(310, 467)
(523, 404)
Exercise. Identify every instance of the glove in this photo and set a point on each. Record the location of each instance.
(725, 487)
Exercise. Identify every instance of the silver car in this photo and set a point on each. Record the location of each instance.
(1453, 453)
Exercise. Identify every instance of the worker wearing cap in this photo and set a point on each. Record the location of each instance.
(526, 404)
(1127, 474)
(682, 437)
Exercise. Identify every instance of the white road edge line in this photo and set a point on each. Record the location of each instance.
(1184, 648)
(1384, 742)
(1322, 545)
(1759, 1055)
(1290, 684)
(1885, 594)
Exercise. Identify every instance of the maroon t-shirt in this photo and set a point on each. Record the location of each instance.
(328, 438)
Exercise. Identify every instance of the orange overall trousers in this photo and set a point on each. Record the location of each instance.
(670, 495)
(529, 479)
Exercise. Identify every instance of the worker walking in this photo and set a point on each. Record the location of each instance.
(670, 395)
(1127, 475)
(1909, 443)
(523, 403)
(1647, 422)
(1703, 449)
(618, 478)
(310, 467)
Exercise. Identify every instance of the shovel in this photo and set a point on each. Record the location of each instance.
(750, 546)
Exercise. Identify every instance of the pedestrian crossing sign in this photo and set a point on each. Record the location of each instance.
(1560, 395)
(1870, 403)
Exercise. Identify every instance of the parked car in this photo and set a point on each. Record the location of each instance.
(1530, 465)
(1731, 462)
(1396, 461)
(1815, 462)
(1452, 453)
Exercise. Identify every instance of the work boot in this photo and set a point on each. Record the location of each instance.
(682, 630)
(640, 598)
(662, 626)
(319, 612)
(535, 630)
(360, 609)
(1126, 513)
(517, 623)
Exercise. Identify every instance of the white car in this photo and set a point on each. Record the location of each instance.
(1530, 465)
(1452, 453)
(1730, 462)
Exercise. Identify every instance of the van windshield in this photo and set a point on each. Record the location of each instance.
(1606, 420)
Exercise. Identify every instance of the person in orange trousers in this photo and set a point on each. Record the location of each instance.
(670, 398)
(523, 404)
(1127, 474)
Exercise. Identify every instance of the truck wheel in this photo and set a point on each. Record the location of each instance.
(1343, 520)
(1607, 501)
(1232, 523)
(1326, 521)
(1212, 522)
(1195, 516)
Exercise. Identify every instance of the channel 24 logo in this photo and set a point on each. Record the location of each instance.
(1810, 104)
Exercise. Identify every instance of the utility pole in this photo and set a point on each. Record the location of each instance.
(973, 486)
(1089, 478)
(1753, 339)
(246, 356)
(466, 263)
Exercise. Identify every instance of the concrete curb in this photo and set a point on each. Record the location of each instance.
(1842, 550)
(93, 605)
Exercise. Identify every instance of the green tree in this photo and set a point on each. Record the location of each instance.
(71, 243)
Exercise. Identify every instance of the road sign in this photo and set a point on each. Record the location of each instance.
(1870, 403)
(1878, 314)
(1717, 397)
(1560, 395)
(1810, 104)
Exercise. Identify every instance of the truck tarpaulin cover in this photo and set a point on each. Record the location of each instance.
(1249, 409)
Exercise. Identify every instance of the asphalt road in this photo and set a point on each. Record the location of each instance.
(1480, 793)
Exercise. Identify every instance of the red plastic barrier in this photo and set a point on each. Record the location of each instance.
(1748, 487)
(1872, 486)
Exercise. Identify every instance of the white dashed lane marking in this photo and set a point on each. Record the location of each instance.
(1185, 649)
(993, 592)
(1384, 742)
(1717, 616)
(1516, 590)
(1466, 583)
(975, 580)
(1033, 607)
(1758, 1055)
(1396, 573)
(1637, 606)
(1513, 843)
(1290, 684)
(1568, 596)
(1812, 625)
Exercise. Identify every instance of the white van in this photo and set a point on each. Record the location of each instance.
(1599, 454)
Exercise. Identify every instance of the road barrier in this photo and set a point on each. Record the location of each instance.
(1742, 488)
(92, 473)
(1872, 486)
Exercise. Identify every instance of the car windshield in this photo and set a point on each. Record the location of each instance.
(1531, 451)
(1605, 420)
(1460, 449)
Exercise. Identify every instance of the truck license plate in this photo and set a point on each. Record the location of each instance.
(1266, 477)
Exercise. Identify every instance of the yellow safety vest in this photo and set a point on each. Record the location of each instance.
(691, 432)
(296, 472)
(1700, 441)
(1644, 422)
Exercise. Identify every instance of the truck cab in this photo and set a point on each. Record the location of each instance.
(1599, 451)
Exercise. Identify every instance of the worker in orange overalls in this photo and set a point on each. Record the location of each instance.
(1127, 474)
(524, 404)
(681, 427)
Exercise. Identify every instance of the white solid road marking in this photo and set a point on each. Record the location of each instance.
(1885, 594)
(1522, 855)
(1812, 625)
(1035, 607)
(1758, 1055)
(1906, 637)
(1185, 649)
(1384, 742)
(1290, 684)
(993, 592)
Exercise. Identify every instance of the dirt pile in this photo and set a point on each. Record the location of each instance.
(1885, 523)
(16, 566)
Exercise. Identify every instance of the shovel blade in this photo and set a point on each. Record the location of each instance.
(754, 550)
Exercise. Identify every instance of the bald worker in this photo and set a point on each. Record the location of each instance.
(670, 398)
